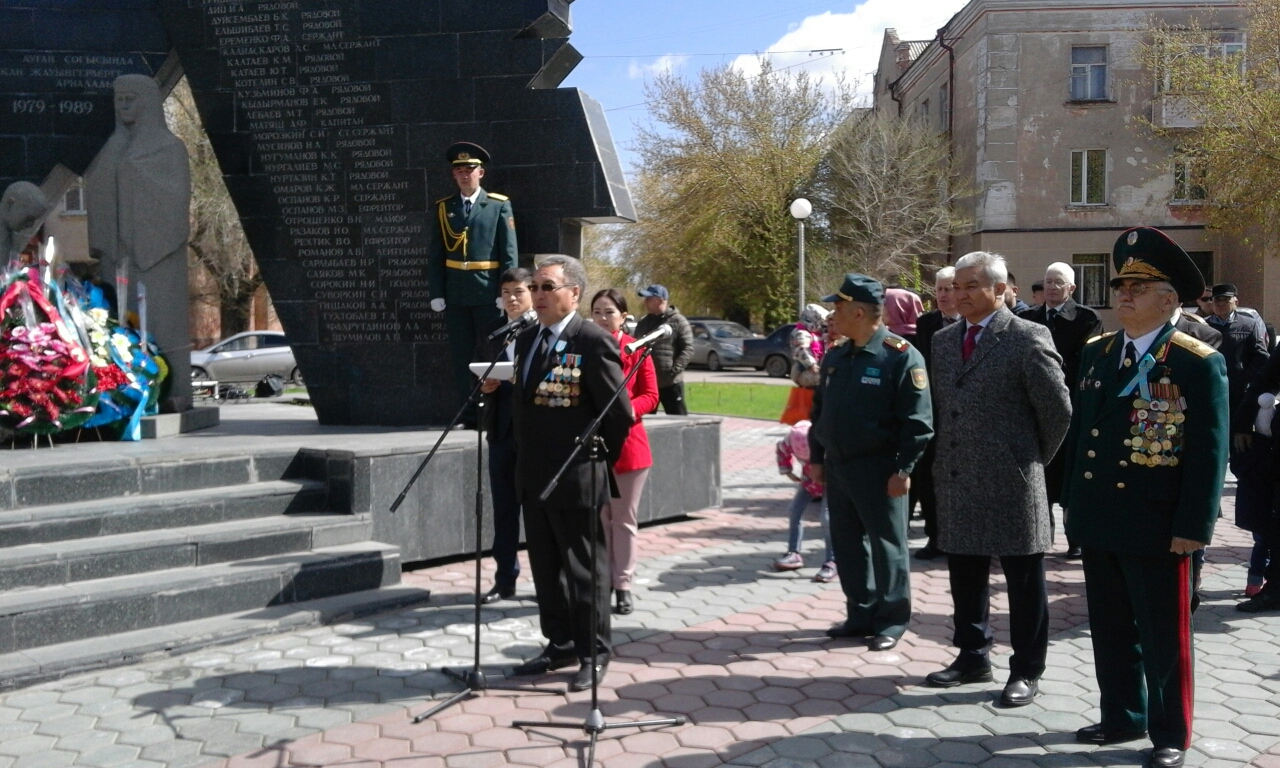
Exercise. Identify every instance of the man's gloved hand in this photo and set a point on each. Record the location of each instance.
(437, 305)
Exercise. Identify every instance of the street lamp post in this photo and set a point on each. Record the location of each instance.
(801, 209)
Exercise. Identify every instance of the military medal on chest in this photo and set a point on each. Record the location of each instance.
(562, 387)
(1157, 416)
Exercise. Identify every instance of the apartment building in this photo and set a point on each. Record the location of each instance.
(1047, 104)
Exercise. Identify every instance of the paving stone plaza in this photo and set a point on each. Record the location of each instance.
(717, 636)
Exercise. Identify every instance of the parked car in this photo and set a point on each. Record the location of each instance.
(771, 354)
(717, 343)
(246, 358)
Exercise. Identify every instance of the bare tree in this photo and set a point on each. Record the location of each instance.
(218, 245)
(885, 199)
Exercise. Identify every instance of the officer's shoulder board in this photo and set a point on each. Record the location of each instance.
(498, 197)
(443, 200)
(1192, 344)
(1100, 337)
(895, 343)
(1194, 318)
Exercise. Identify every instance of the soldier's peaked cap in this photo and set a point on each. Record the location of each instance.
(1146, 253)
(861, 288)
(466, 153)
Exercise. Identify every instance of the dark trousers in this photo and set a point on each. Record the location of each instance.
(869, 537)
(506, 511)
(1054, 477)
(464, 325)
(672, 399)
(1028, 611)
(1140, 620)
(561, 556)
(925, 492)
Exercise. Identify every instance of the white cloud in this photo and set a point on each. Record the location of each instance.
(660, 66)
(859, 33)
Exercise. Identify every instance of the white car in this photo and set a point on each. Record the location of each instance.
(246, 358)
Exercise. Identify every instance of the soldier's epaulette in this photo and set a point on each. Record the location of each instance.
(498, 197)
(893, 342)
(1107, 335)
(442, 200)
(1192, 317)
(1192, 344)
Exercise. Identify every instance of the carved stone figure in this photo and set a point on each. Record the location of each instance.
(21, 208)
(137, 193)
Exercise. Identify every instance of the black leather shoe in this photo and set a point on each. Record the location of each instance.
(953, 676)
(1019, 692)
(1167, 757)
(1072, 553)
(550, 659)
(1096, 734)
(882, 643)
(1266, 600)
(844, 630)
(625, 606)
(498, 593)
(582, 678)
(928, 552)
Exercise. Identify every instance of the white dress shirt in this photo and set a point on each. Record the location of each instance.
(1141, 344)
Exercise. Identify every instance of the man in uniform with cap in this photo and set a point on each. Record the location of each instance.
(473, 241)
(872, 419)
(1146, 455)
(1244, 341)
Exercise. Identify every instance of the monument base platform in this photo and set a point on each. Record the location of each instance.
(173, 424)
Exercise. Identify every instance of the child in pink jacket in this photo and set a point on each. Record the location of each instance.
(795, 447)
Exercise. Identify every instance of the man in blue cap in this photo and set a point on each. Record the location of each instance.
(872, 419)
(672, 354)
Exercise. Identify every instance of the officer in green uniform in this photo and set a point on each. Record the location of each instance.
(1145, 460)
(473, 241)
(872, 419)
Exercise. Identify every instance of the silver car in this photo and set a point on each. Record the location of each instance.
(246, 358)
(717, 343)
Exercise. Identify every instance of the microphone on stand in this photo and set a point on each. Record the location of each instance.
(663, 332)
(519, 324)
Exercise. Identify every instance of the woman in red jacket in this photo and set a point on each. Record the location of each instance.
(609, 311)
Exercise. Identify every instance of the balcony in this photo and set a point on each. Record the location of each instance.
(1173, 113)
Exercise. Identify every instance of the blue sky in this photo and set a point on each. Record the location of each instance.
(626, 41)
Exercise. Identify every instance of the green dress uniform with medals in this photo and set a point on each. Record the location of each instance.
(1146, 457)
(872, 417)
(471, 245)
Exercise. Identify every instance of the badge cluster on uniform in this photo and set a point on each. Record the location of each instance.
(563, 385)
(1157, 426)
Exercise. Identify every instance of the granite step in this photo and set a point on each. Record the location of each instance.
(63, 562)
(180, 509)
(45, 616)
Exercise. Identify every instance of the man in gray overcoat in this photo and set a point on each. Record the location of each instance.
(1002, 411)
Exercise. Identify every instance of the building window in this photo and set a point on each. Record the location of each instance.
(1091, 278)
(924, 110)
(1089, 73)
(74, 200)
(944, 105)
(1188, 180)
(1229, 46)
(1089, 177)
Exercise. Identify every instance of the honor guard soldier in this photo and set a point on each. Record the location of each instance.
(872, 419)
(1146, 457)
(473, 242)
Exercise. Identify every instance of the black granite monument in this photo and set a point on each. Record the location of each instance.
(329, 119)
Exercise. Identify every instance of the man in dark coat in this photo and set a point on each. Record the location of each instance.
(1266, 522)
(1071, 325)
(922, 487)
(566, 371)
(670, 355)
(1244, 341)
(472, 242)
(516, 301)
(1003, 409)
(1146, 455)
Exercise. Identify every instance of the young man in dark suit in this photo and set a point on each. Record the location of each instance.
(516, 301)
(566, 371)
(1071, 325)
(922, 487)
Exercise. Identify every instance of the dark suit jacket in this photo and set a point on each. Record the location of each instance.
(928, 324)
(1197, 328)
(497, 406)
(545, 436)
(1071, 328)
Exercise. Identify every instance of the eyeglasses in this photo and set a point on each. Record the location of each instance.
(549, 287)
(1137, 289)
(1056, 283)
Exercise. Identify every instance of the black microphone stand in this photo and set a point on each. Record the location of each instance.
(595, 724)
(475, 679)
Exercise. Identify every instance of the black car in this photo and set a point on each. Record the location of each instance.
(771, 354)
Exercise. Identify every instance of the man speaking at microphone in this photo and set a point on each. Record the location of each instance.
(567, 369)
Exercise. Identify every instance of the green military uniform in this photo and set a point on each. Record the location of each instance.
(1145, 460)
(872, 418)
(467, 255)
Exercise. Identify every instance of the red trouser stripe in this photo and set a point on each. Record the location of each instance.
(1186, 676)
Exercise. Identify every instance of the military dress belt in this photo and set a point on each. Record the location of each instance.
(470, 265)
